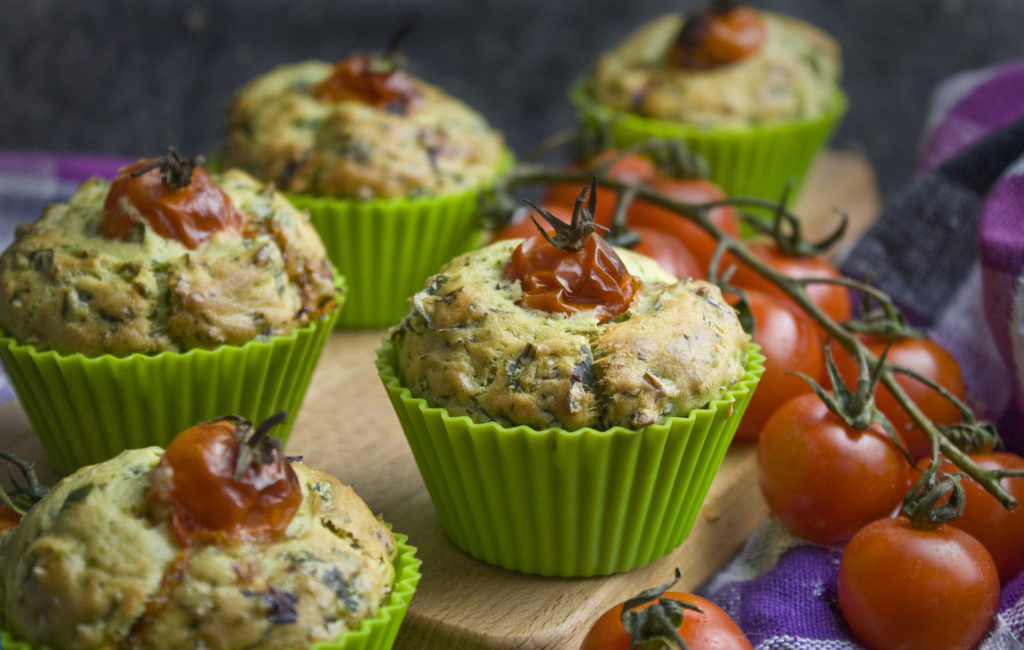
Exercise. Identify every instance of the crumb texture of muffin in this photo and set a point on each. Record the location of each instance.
(281, 132)
(94, 565)
(65, 287)
(469, 346)
(792, 76)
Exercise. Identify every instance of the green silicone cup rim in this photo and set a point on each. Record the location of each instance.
(756, 160)
(593, 503)
(87, 409)
(386, 248)
(377, 633)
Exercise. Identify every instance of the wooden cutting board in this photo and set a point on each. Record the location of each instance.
(348, 428)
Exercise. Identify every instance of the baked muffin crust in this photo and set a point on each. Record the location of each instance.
(793, 75)
(65, 287)
(467, 345)
(280, 132)
(86, 564)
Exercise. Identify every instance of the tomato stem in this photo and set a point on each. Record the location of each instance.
(23, 495)
(657, 625)
(175, 171)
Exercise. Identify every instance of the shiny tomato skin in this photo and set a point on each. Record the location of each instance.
(709, 629)
(190, 215)
(204, 497)
(789, 341)
(694, 191)
(1001, 531)
(728, 37)
(353, 79)
(824, 479)
(927, 358)
(9, 518)
(632, 168)
(901, 588)
(833, 299)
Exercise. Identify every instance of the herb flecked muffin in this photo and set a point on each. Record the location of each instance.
(163, 298)
(389, 167)
(754, 92)
(219, 542)
(567, 403)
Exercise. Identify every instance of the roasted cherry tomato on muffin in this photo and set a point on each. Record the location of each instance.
(928, 359)
(9, 518)
(671, 617)
(790, 341)
(176, 197)
(917, 588)
(374, 81)
(695, 191)
(630, 168)
(833, 299)
(998, 528)
(723, 33)
(224, 478)
(572, 271)
(821, 477)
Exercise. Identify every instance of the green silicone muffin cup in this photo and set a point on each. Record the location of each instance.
(88, 409)
(377, 633)
(757, 160)
(567, 503)
(386, 248)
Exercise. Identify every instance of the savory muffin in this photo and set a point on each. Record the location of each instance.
(120, 554)
(469, 344)
(360, 129)
(138, 265)
(792, 74)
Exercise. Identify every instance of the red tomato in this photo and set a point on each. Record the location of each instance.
(789, 340)
(206, 499)
(189, 214)
(9, 518)
(833, 299)
(927, 358)
(713, 39)
(710, 629)
(902, 588)
(694, 191)
(1001, 531)
(824, 479)
(355, 79)
(632, 168)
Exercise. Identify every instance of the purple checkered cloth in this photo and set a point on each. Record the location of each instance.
(950, 250)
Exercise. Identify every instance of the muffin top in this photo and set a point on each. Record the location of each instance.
(360, 129)
(114, 272)
(792, 74)
(99, 562)
(471, 344)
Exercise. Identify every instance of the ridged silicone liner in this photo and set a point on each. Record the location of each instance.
(386, 248)
(567, 503)
(377, 633)
(746, 161)
(88, 409)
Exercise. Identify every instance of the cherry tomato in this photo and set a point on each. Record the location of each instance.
(833, 299)
(206, 499)
(663, 248)
(355, 79)
(190, 215)
(1001, 531)
(927, 358)
(713, 39)
(694, 191)
(903, 588)
(562, 280)
(631, 168)
(789, 341)
(711, 628)
(9, 518)
(824, 479)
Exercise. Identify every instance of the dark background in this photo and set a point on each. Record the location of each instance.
(118, 77)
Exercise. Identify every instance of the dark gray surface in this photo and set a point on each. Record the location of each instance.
(113, 76)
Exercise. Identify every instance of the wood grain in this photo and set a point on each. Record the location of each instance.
(348, 428)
